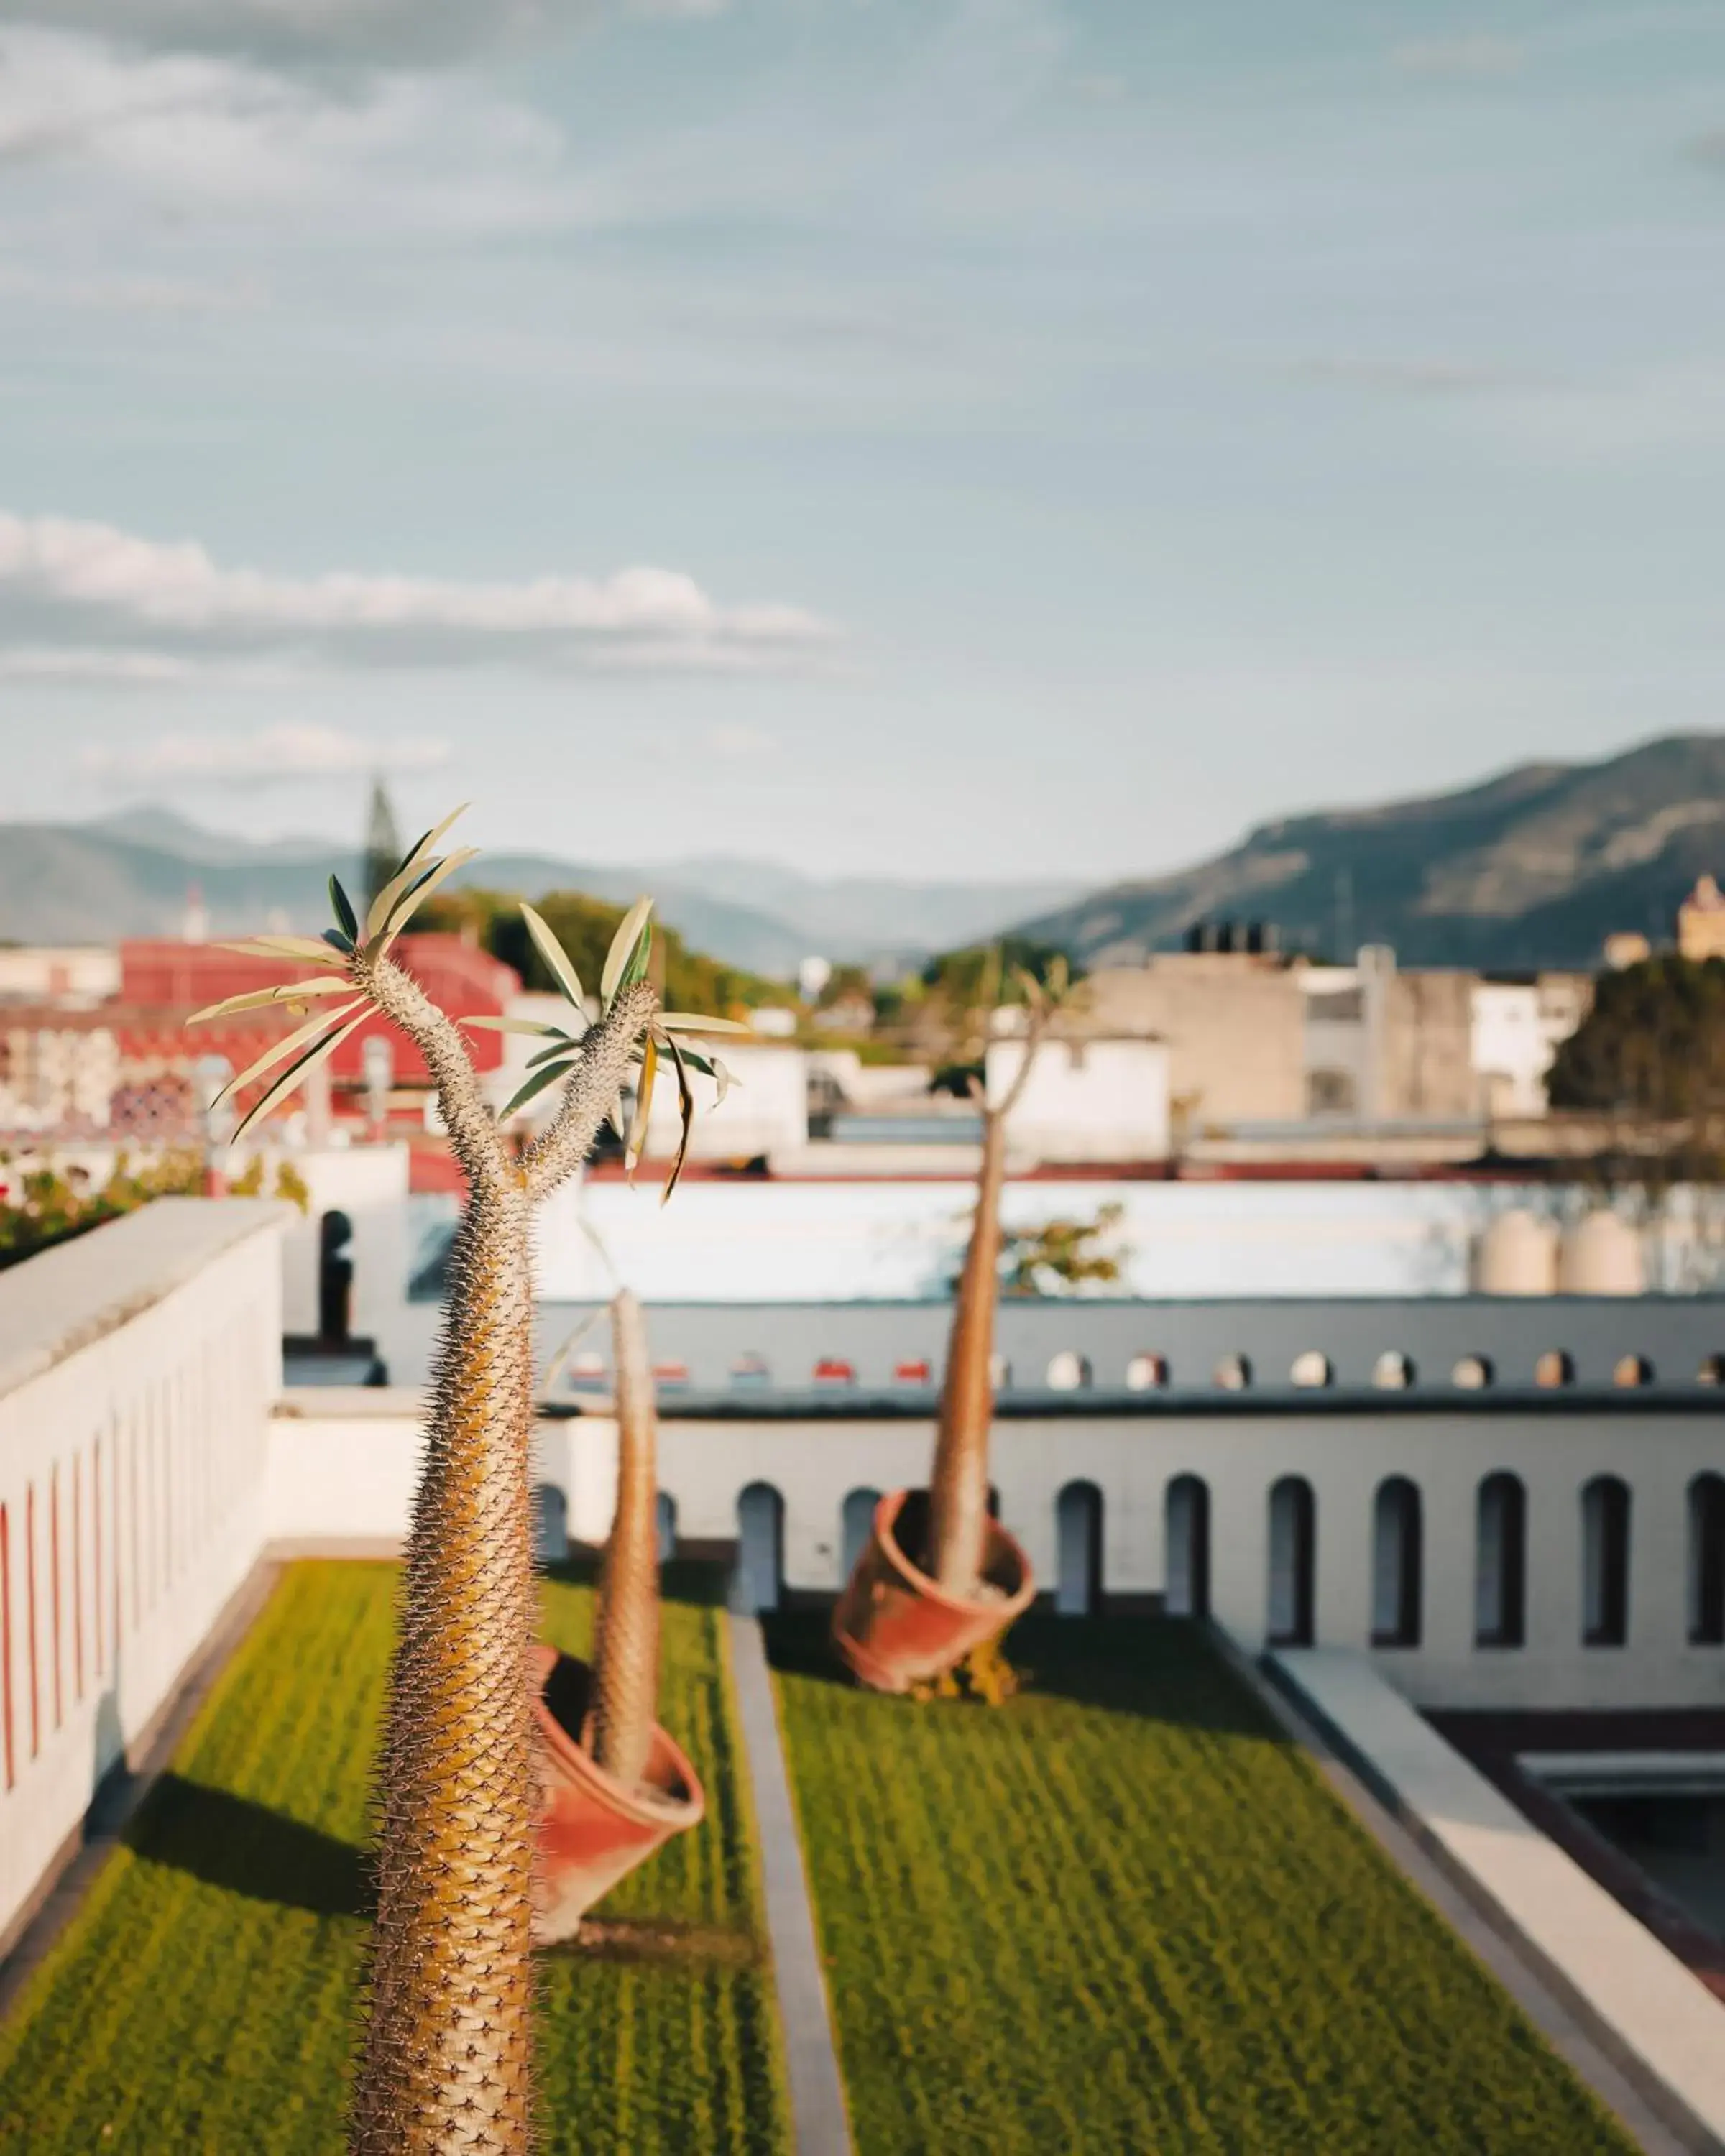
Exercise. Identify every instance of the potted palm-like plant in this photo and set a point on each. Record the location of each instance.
(445, 2061)
(939, 1576)
(616, 1786)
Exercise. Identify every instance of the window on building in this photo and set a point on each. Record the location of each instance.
(856, 1524)
(1331, 1092)
(1292, 1561)
(1396, 1556)
(1631, 1370)
(1501, 1560)
(1472, 1374)
(1312, 1371)
(760, 1549)
(1707, 1561)
(1078, 1539)
(1234, 1374)
(1605, 1562)
(1067, 1372)
(1187, 1520)
(1147, 1373)
(1553, 1370)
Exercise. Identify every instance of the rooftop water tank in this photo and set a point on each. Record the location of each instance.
(1518, 1256)
(1601, 1254)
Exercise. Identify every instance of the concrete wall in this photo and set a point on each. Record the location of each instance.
(137, 1365)
(344, 1469)
(1675, 1337)
(834, 1241)
(1233, 1026)
(369, 1183)
(1090, 1100)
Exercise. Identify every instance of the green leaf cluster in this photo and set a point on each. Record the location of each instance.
(1056, 1256)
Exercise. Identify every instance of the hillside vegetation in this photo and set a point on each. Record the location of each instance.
(1534, 868)
(686, 979)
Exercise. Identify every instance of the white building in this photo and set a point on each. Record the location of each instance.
(1092, 1100)
(77, 975)
(1518, 1026)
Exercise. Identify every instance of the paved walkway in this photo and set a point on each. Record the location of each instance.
(821, 2125)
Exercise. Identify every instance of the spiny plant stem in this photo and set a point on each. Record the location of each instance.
(958, 1485)
(446, 2062)
(958, 1482)
(626, 1639)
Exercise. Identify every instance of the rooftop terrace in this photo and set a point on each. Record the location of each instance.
(1120, 1912)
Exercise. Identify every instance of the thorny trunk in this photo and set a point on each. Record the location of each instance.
(958, 1487)
(446, 2064)
(626, 1639)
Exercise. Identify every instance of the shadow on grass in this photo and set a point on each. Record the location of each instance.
(231, 1842)
(659, 1943)
(690, 1580)
(1161, 1669)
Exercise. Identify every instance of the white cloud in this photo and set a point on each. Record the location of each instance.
(388, 30)
(1470, 59)
(231, 137)
(274, 755)
(111, 588)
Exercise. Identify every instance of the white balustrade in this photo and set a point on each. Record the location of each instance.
(138, 1366)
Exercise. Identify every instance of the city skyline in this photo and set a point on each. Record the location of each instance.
(975, 440)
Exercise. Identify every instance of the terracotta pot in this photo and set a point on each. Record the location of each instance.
(595, 1831)
(895, 1626)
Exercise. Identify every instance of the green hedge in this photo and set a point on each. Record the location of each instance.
(1121, 1913)
(202, 1999)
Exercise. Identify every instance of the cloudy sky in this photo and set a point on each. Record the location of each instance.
(963, 434)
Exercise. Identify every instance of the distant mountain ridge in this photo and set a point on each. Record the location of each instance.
(128, 873)
(1535, 867)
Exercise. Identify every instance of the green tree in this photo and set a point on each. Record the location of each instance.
(51, 1207)
(686, 979)
(1648, 1061)
(1060, 1255)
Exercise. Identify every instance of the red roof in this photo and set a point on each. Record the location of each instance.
(170, 979)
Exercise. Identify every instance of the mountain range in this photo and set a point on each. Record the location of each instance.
(1535, 867)
(129, 874)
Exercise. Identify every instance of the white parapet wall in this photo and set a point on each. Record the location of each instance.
(1656, 2018)
(343, 1466)
(138, 1368)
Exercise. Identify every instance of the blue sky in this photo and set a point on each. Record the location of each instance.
(970, 435)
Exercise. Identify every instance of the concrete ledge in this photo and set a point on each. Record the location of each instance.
(82, 1290)
(1646, 2010)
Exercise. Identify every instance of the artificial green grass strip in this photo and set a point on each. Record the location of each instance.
(1122, 1913)
(200, 2001)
